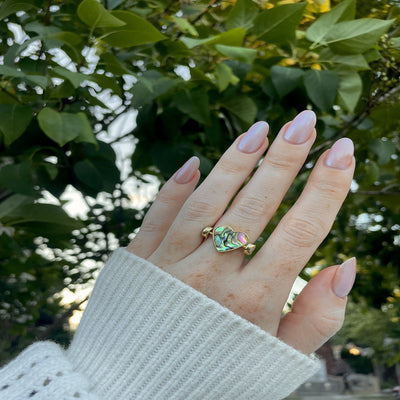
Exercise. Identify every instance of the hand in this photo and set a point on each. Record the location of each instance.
(170, 236)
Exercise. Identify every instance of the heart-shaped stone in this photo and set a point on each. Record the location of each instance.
(226, 239)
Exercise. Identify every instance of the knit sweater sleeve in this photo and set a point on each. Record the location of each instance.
(146, 335)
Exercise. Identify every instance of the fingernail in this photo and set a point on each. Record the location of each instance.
(301, 127)
(344, 278)
(254, 137)
(340, 154)
(186, 173)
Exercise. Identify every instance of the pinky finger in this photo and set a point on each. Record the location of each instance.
(318, 312)
(165, 208)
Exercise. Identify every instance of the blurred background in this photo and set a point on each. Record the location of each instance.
(101, 102)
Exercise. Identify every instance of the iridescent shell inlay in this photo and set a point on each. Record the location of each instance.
(226, 239)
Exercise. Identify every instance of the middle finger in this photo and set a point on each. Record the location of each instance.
(211, 198)
(257, 202)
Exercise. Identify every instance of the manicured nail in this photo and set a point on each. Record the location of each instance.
(186, 173)
(254, 137)
(340, 154)
(344, 278)
(301, 127)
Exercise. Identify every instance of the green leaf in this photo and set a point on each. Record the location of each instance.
(106, 82)
(355, 37)
(150, 86)
(76, 78)
(233, 37)
(384, 149)
(321, 87)
(40, 212)
(64, 127)
(285, 79)
(225, 76)
(350, 88)
(51, 170)
(69, 38)
(237, 53)
(356, 62)
(382, 116)
(12, 72)
(113, 65)
(343, 11)
(11, 7)
(92, 13)
(87, 173)
(185, 26)
(396, 42)
(114, 3)
(12, 202)
(136, 31)
(278, 25)
(14, 119)
(242, 15)
(85, 134)
(372, 172)
(17, 177)
(194, 103)
(243, 107)
(372, 55)
(38, 80)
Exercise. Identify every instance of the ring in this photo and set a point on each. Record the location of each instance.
(227, 239)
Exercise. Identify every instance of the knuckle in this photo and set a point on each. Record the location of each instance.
(199, 210)
(329, 189)
(150, 226)
(228, 167)
(302, 233)
(251, 209)
(279, 162)
(326, 326)
(166, 197)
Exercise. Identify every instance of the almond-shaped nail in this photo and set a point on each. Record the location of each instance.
(186, 173)
(344, 278)
(341, 154)
(253, 139)
(301, 128)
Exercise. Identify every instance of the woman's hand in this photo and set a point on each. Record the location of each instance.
(170, 236)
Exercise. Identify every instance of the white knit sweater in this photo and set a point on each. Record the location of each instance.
(147, 336)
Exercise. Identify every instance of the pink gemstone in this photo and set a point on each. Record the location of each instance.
(242, 238)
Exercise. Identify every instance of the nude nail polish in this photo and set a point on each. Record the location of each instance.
(344, 278)
(301, 127)
(186, 173)
(254, 137)
(340, 154)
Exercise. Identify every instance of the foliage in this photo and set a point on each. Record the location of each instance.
(372, 329)
(198, 73)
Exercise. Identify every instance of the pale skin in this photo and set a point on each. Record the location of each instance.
(170, 236)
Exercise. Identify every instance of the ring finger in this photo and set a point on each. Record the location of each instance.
(256, 203)
(210, 199)
(307, 223)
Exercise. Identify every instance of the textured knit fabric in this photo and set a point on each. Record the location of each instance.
(43, 372)
(148, 336)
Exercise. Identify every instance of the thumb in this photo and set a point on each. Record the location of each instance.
(318, 311)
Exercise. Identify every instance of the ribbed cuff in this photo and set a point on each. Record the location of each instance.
(147, 335)
(43, 372)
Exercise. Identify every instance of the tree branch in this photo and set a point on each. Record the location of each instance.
(58, 323)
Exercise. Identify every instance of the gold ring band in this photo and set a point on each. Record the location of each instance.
(227, 239)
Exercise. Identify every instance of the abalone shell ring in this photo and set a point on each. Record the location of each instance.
(227, 239)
